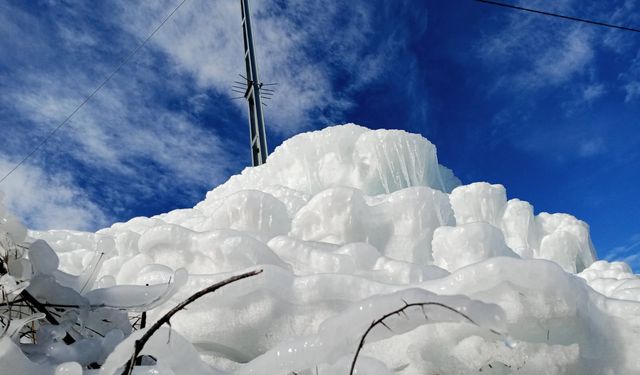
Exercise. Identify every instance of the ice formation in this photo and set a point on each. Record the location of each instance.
(348, 224)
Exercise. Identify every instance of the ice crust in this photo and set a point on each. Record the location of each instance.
(348, 224)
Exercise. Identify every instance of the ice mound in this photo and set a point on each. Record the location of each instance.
(348, 224)
(375, 162)
(614, 280)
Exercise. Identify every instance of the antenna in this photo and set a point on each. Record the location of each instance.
(251, 92)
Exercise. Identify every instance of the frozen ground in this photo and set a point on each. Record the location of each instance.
(348, 224)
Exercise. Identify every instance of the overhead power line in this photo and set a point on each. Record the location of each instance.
(558, 15)
(93, 93)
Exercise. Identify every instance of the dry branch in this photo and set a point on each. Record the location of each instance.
(139, 344)
(399, 311)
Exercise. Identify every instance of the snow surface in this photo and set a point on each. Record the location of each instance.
(348, 224)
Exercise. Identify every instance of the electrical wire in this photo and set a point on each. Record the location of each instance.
(558, 15)
(93, 93)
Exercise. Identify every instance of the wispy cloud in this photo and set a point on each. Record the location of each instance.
(119, 130)
(148, 133)
(631, 80)
(591, 147)
(534, 52)
(49, 201)
(561, 145)
(544, 67)
(629, 252)
(592, 92)
(127, 143)
(318, 52)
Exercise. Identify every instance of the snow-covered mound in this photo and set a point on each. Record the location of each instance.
(348, 225)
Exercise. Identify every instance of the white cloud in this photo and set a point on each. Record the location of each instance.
(627, 253)
(567, 58)
(125, 134)
(561, 142)
(632, 90)
(300, 44)
(583, 96)
(593, 92)
(550, 66)
(535, 51)
(624, 14)
(591, 147)
(48, 201)
(117, 129)
(631, 80)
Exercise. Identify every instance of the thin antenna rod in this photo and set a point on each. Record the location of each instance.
(257, 133)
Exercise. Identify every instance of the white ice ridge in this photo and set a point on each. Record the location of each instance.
(348, 224)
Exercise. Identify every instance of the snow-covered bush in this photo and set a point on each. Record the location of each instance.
(57, 317)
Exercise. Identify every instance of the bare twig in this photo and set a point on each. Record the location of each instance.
(143, 324)
(3, 268)
(6, 326)
(139, 344)
(37, 306)
(398, 312)
(5, 322)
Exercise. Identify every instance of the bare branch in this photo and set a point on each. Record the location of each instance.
(139, 344)
(6, 326)
(399, 311)
(5, 322)
(37, 306)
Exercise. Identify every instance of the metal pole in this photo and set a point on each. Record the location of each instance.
(257, 133)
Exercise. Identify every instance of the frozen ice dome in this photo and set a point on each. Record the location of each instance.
(350, 224)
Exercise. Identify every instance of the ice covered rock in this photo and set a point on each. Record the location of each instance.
(68, 368)
(204, 252)
(349, 224)
(259, 214)
(519, 227)
(339, 335)
(375, 162)
(613, 279)
(565, 240)
(311, 257)
(400, 225)
(558, 237)
(174, 353)
(13, 360)
(479, 202)
(462, 245)
(43, 258)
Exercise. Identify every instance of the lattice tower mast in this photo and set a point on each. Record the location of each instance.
(257, 134)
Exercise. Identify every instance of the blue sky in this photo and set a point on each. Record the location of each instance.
(549, 108)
